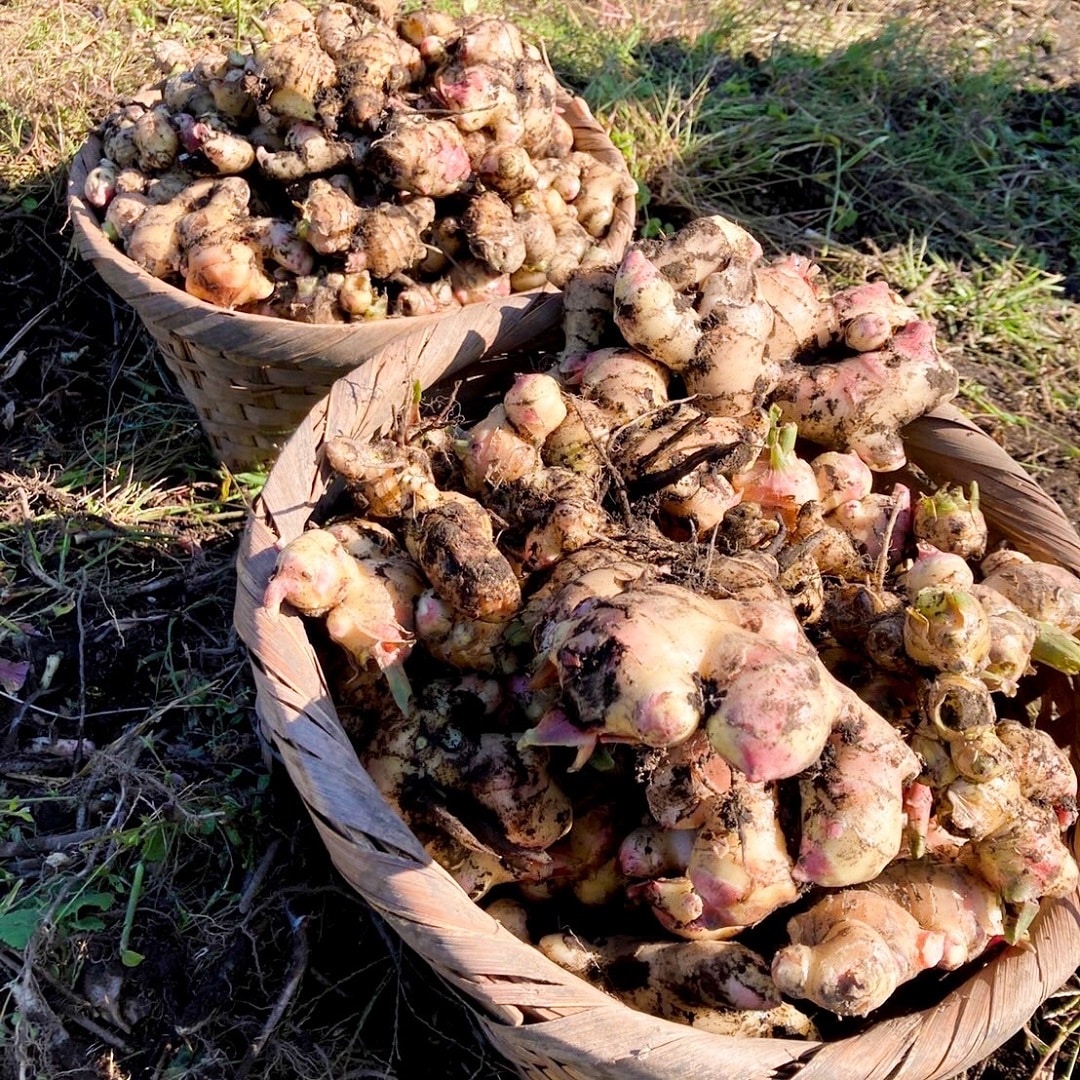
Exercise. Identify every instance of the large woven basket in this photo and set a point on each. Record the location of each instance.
(252, 378)
(545, 1021)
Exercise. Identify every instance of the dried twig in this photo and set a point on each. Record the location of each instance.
(292, 982)
(56, 842)
(721, 454)
(22, 332)
(258, 876)
(881, 568)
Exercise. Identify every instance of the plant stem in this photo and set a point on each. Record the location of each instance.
(132, 904)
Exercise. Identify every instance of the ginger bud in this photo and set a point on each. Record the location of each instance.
(779, 480)
(1012, 638)
(100, 184)
(934, 568)
(1056, 649)
(952, 522)
(947, 629)
(840, 478)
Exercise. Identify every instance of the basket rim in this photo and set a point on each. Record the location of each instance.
(531, 1009)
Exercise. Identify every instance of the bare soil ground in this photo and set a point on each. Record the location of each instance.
(117, 540)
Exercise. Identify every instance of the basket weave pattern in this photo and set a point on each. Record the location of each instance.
(250, 378)
(550, 1024)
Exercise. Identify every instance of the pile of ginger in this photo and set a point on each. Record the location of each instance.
(666, 667)
(353, 163)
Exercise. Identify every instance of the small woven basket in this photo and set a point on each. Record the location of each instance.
(253, 378)
(544, 1020)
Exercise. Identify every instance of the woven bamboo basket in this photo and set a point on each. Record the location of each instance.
(252, 378)
(547, 1022)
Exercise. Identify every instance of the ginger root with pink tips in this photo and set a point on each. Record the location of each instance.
(629, 664)
(853, 948)
(944, 897)
(650, 663)
(853, 799)
(861, 403)
(366, 612)
(774, 708)
(803, 321)
(711, 882)
(505, 446)
(743, 872)
(867, 315)
(851, 951)
(697, 303)
(722, 356)
(651, 315)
